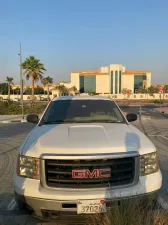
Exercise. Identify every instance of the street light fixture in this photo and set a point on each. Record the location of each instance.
(21, 81)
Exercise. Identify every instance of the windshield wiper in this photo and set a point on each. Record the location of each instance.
(98, 121)
(80, 121)
(51, 122)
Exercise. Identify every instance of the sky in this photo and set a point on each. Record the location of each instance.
(71, 35)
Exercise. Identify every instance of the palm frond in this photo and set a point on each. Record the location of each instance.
(9, 80)
(33, 68)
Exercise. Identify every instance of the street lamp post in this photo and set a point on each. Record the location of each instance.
(21, 81)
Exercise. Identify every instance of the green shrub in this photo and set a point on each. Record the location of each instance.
(158, 101)
(13, 109)
(3, 108)
(38, 108)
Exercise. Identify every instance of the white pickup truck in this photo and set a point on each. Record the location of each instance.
(82, 154)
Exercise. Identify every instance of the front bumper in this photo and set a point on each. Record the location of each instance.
(65, 200)
(47, 208)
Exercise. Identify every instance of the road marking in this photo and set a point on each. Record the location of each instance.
(153, 135)
(11, 205)
(162, 202)
(4, 138)
(13, 121)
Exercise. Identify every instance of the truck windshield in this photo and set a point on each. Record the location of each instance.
(82, 111)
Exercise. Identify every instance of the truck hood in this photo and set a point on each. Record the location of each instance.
(92, 138)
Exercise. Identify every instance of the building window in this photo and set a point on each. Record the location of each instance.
(138, 81)
(111, 82)
(116, 82)
(88, 84)
(81, 84)
(120, 83)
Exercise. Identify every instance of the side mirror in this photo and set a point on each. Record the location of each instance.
(32, 118)
(131, 117)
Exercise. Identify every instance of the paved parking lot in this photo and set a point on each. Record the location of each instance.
(12, 135)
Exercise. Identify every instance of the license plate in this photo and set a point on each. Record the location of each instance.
(91, 206)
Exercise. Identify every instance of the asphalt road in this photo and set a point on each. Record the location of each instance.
(12, 135)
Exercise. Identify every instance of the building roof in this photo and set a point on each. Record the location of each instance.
(138, 72)
(91, 74)
(87, 71)
(98, 72)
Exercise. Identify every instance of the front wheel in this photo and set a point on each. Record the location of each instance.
(21, 203)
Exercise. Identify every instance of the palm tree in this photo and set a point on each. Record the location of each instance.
(73, 90)
(9, 81)
(33, 69)
(62, 89)
(47, 81)
(44, 83)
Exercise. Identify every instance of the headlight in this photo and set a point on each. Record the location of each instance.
(149, 164)
(28, 167)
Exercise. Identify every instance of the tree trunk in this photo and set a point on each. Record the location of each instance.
(163, 94)
(32, 88)
(32, 101)
(48, 94)
(8, 91)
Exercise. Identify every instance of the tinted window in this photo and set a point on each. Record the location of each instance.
(82, 111)
(116, 82)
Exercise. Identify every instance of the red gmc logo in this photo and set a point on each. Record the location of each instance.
(96, 173)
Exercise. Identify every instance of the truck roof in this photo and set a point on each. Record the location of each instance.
(81, 98)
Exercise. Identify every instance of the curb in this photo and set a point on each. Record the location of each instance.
(13, 121)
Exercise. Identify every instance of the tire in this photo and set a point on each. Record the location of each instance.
(23, 207)
(21, 203)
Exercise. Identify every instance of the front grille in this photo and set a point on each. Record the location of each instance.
(58, 173)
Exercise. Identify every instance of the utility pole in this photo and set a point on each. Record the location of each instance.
(160, 101)
(21, 81)
(160, 92)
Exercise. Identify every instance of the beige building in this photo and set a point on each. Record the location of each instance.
(110, 80)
